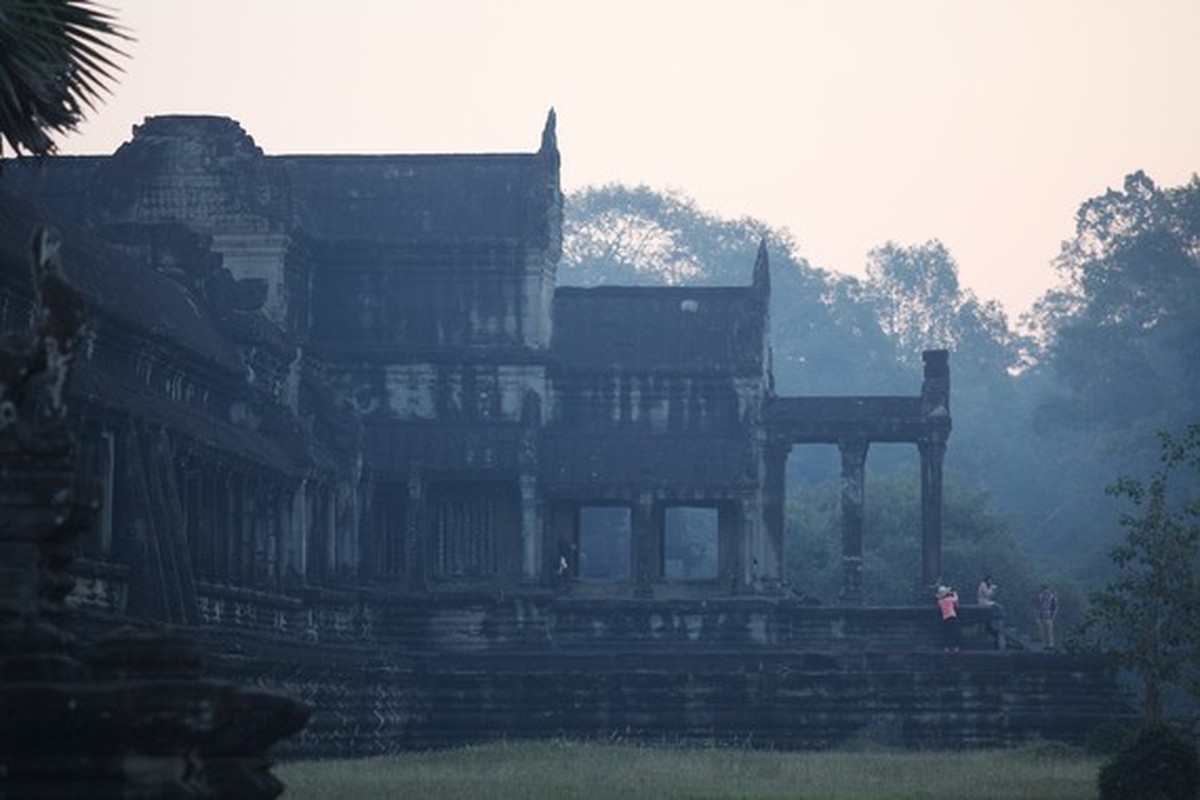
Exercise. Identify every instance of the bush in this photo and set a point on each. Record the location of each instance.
(1160, 764)
(1110, 738)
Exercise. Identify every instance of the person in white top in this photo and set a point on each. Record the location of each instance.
(986, 597)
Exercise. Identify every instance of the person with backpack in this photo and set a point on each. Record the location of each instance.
(1046, 611)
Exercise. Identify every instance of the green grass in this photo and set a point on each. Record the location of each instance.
(563, 770)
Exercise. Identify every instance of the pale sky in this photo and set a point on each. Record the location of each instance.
(982, 123)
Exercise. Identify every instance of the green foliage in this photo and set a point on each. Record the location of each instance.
(976, 540)
(1160, 765)
(1148, 617)
(618, 235)
(921, 305)
(1119, 360)
(1122, 333)
(915, 291)
(56, 58)
(561, 770)
(1109, 738)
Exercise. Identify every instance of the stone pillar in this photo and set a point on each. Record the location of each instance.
(297, 534)
(527, 459)
(935, 408)
(854, 458)
(774, 498)
(233, 523)
(415, 549)
(346, 523)
(933, 452)
(646, 545)
(530, 527)
(731, 524)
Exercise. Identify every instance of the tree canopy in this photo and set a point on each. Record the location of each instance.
(1148, 616)
(1122, 332)
(916, 293)
(1119, 360)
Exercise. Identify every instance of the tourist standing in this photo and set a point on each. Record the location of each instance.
(948, 606)
(986, 597)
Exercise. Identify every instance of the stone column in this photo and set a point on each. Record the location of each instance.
(297, 532)
(933, 452)
(854, 458)
(774, 492)
(731, 527)
(935, 408)
(646, 536)
(527, 460)
(415, 550)
(530, 526)
(233, 521)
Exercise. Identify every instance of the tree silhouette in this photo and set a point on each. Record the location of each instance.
(1148, 617)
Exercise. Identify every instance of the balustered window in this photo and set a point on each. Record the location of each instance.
(389, 524)
(473, 525)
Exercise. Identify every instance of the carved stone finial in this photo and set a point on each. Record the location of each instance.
(35, 365)
(549, 134)
(549, 148)
(762, 268)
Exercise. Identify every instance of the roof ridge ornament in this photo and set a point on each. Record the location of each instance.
(762, 268)
(550, 137)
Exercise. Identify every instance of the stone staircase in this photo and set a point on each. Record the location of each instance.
(441, 671)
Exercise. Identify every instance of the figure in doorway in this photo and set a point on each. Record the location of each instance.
(1047, 610)
(565, 569)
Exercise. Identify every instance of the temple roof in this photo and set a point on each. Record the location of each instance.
(206, 171)
(116, 287)
(391, 197)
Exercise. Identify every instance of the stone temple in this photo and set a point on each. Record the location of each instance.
(355, 440)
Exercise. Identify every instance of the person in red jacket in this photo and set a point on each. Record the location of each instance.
(947, 600)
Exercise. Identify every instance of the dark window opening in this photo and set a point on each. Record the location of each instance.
(604, 539)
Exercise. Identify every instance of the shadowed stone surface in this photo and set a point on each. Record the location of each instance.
(129, 716)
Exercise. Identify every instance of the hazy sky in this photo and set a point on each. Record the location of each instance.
(983, 123)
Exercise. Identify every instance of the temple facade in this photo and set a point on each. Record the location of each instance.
(337, 423)
(309, 373)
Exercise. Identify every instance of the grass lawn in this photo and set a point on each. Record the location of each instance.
(559, 769)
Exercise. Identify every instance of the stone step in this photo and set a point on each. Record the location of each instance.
(369, 700)
(446, 671)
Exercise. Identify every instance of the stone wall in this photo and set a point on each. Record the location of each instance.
(429, 673)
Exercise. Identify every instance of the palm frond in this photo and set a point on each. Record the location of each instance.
(57, 57)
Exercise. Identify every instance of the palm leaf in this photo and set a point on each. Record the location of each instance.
(57, 57)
